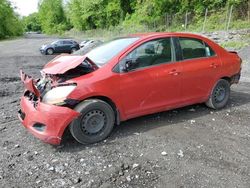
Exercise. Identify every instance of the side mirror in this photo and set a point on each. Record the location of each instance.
(127, 65)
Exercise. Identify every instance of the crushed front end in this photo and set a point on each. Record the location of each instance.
(46, 110)
(45, 121)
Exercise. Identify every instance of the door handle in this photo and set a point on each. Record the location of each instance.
(174, 72)
(214, 65)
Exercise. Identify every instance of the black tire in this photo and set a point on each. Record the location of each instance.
(220, 95)
(49, 51)
(95, 122)
(73, 50)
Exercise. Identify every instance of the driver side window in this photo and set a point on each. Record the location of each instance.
(150, 53)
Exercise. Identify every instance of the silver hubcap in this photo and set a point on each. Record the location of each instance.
(220, 94)
(49, 51)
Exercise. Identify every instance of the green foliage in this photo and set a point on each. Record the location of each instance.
(32, 22)
(92, 14)
(125, 15)
(234, 44)
(51, 16)
(10, 24)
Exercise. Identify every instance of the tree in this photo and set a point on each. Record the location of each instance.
(10, 24)
(52, 17)
(32, 23)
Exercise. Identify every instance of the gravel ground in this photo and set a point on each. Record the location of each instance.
(188, 147)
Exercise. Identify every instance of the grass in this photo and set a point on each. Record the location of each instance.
(237, 45)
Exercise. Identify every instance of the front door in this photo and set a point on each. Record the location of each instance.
(152, 82)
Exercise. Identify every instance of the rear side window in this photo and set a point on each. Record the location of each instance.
(195, 48)
(67, 42)
(209, 51)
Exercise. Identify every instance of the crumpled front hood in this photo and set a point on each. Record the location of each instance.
(63, 63)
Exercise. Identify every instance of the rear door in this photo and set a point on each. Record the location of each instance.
(67, 46)
(59, 46)
(200, 69)
(153, 82)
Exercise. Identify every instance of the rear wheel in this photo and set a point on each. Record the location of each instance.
(49, 51)
(95, 122)
(220, 95)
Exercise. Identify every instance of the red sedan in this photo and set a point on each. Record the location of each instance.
(126, 78)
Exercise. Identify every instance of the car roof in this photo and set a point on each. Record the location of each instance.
(66, 40)
(159, 34)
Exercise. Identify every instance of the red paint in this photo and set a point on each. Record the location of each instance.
(63, 63)
(55, 118)
(140, 92)
(29, 83)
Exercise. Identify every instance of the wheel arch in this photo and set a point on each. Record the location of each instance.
(227, 78)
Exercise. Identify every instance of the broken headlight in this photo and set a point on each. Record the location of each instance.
(58, 94)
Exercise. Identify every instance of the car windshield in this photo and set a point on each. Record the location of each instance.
(102, 54)
(55, 42)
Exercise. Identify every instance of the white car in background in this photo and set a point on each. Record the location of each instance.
(86, 43)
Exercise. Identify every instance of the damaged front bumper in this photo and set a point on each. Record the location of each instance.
(45, 121)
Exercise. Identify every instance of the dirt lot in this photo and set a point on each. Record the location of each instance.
(188, 147)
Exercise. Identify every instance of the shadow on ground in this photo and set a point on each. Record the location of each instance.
(154, 121)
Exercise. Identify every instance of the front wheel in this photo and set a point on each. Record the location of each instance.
(220, 95)
(95, 122)
(49, 51)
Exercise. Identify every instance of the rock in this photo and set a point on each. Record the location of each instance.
(77, 180)
(81, 160)
(199, 146)
(128, 178)
(135, 165)
(35, 152)
(30, 157)
(54, 160)
(180, 153)
(59, 183)
(124, 166)
(192, 121)
(121, 173)
(84, 164)
(213, 119)
(59, 169)
(17, 146)
(87, 173)
(137, 134)
(51, 168)
(2, 128)
(163, 153)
